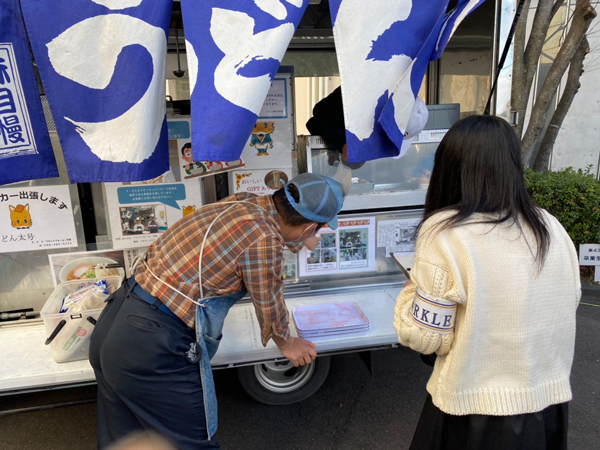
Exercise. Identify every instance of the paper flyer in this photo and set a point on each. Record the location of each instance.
(272, 140)
(180, 137)
(139, 214)
(350, 248)
(36, 218)
(260, 181)
(290, 265)
(397, 236)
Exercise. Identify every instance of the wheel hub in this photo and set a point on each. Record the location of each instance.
(283, 377)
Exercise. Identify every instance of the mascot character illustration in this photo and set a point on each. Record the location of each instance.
(261, 137)
(20, 217)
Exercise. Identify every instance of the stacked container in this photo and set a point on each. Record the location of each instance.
(72, 341)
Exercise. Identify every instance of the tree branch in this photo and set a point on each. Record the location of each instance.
(518, 103)
(542, 160)
(584, 14)
(531, 55)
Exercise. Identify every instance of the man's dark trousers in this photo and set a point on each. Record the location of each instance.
(147, 373)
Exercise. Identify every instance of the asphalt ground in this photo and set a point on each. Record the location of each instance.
(353, 409)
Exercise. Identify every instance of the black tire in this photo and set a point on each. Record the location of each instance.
(280, 383)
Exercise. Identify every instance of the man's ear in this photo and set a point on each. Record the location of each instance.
(314, 226)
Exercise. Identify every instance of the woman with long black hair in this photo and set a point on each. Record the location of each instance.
(493, 292)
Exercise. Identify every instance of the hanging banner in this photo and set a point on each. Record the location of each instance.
(25, 148)
(36, 218)
(383, 52)
(180, 136)
(103, 68)
(239, 45)
(139, 214)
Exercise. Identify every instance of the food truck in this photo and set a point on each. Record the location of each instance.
(108, 226)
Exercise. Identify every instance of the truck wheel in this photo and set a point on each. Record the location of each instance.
(280, 383)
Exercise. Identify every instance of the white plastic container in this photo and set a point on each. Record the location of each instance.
(72, 342)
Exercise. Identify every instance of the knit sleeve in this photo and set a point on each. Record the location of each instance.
(424, 313)
(426, 309)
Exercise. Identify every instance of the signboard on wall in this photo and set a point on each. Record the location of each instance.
(139, 214)
(36, 218)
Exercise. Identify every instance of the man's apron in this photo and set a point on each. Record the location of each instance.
(210, 316)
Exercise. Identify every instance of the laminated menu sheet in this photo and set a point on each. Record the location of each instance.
(330, 320)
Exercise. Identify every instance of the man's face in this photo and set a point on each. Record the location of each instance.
(300, 233)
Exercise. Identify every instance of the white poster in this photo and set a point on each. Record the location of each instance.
(290, 265)
(36, 218)
(397, 236)
(271, 142)
(350, 248)
(278, 104)
(139, 214)
(180, 136)
(261, 182)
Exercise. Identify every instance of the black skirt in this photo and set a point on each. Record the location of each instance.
(543, 430)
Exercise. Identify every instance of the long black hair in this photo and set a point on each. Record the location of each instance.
(477, 169)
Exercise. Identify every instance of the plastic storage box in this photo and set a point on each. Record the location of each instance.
(72, 342)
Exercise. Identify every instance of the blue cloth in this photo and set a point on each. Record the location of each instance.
(102, 64)
(25, 149)
(233, 48)
(209, 328)
(383, 54)
(150, 299)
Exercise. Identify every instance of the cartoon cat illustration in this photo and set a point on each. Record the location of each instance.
(19, 216)
(261, 137)
(188, 210)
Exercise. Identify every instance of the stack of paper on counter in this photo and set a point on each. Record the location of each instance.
(330, 320)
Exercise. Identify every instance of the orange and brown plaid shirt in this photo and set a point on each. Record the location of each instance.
(243, 250)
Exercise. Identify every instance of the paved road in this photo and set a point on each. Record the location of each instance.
(353, 410)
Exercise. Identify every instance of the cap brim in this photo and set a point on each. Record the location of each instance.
(333, 224)
(406, 143)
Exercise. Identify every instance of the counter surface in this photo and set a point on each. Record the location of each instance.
(26, 364)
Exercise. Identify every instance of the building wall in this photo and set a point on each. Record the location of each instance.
(578, 142)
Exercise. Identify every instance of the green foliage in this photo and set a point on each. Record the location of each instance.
(573, 197)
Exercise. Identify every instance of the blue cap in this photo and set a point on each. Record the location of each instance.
(321, 198)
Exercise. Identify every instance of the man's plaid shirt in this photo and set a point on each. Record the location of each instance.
(243, 250)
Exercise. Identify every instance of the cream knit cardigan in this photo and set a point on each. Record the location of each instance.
(512, 347)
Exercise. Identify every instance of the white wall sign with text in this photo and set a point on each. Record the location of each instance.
(350, 248)
(139, 214)
(261, 182)
(36, 218)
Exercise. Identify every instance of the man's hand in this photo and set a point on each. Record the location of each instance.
(299, 351)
